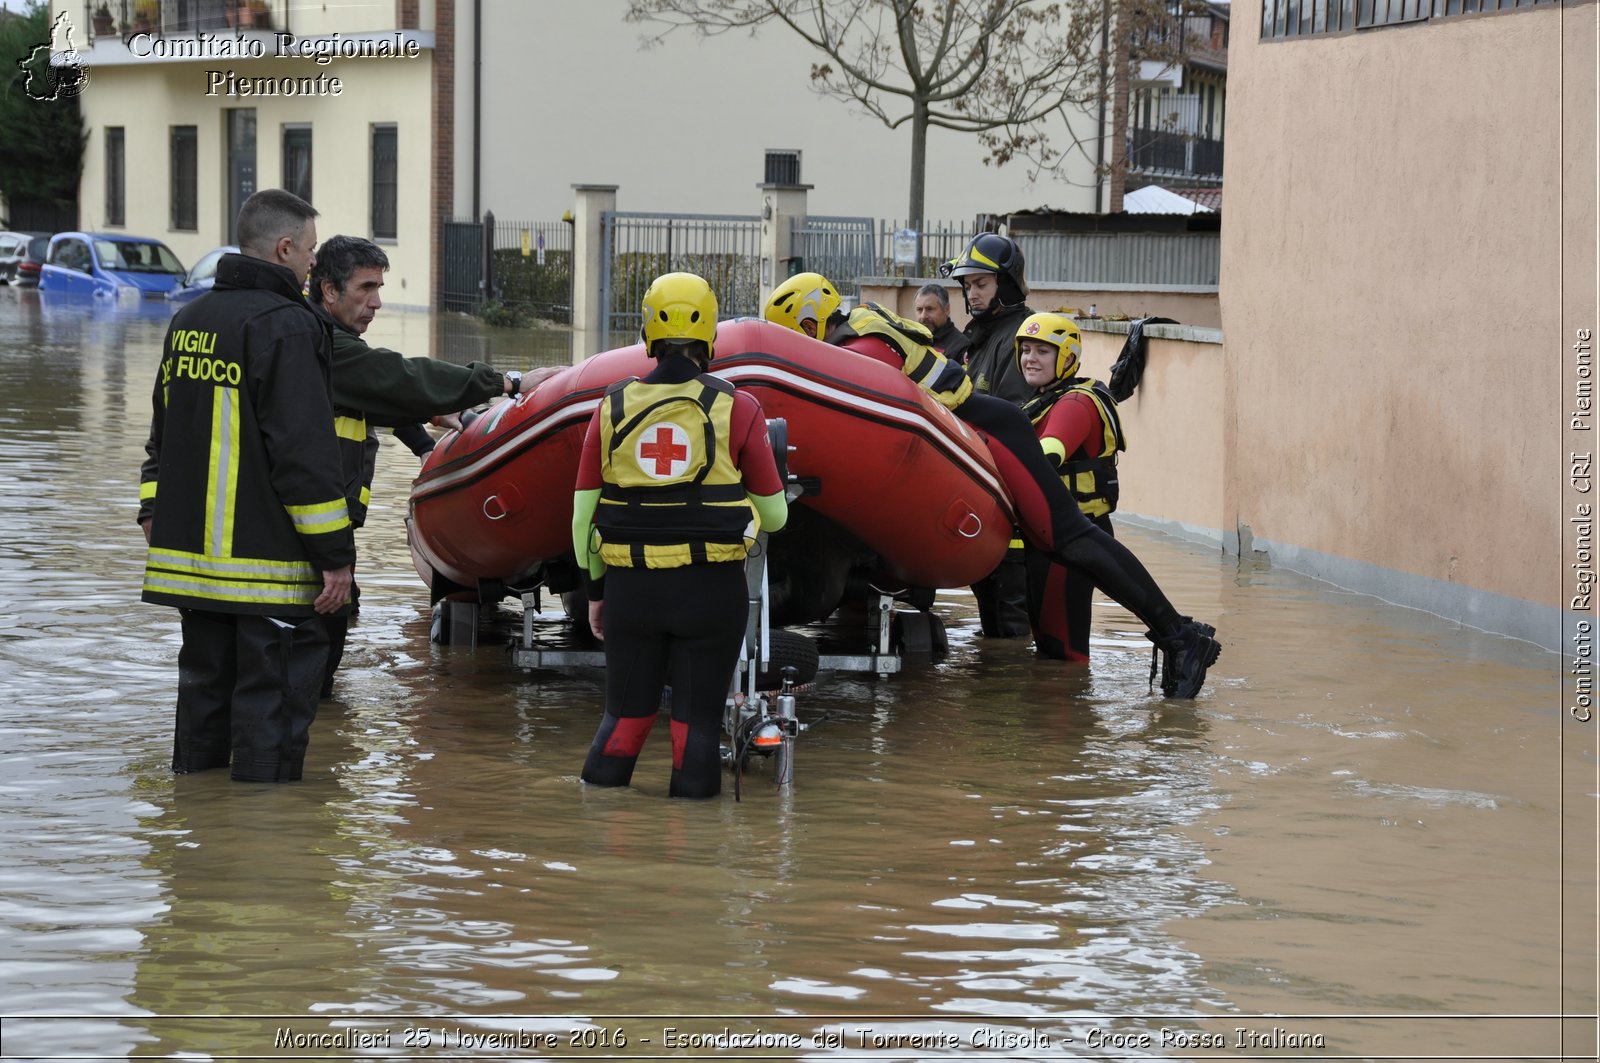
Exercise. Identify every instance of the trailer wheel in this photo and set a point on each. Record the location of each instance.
(788, 649)
(919, 635)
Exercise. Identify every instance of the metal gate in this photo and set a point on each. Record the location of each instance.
(638, 247)
(461, 265)
(841, 249)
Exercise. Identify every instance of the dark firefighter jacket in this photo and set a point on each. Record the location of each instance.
(383, 387)
(992, 359)
(242, 480)
(952, 342)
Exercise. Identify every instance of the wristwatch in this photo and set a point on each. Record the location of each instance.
(516, 383)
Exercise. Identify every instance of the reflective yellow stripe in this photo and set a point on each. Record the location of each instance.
(247, 567)
(320, 518)
(222, 474)
(676, 555)
(147, 490)
(256, 581)
(366, 496)
(350, 428)
(233, 591)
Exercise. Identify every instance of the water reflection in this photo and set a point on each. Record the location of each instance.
(985, 849)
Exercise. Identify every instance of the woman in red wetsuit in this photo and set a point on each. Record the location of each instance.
(1080, 433)
(674, 468)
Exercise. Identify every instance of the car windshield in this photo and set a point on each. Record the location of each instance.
(132, 257)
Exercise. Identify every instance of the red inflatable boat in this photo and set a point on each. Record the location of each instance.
(899, 494)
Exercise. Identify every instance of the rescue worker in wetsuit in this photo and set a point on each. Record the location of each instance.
(1047, 512)
(242, 502)
(671, 469)
(377, 386)
(990, 272)
(1080, 433)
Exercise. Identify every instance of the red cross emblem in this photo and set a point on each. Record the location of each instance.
(1032, 329)
(665, 453)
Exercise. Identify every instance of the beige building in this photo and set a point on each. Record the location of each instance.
(193, 104)
(393, 114)
(1408, 260)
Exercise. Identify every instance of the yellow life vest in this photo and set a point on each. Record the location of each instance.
(1092, 481)
(671, 494)
(927, 368)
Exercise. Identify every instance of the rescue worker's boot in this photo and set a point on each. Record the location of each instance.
(1185, 656)
(696, 761)
(201, 734)
(1002, 598)
(280, 665)
(615, 749)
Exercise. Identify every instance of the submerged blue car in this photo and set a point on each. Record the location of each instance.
(114, 266)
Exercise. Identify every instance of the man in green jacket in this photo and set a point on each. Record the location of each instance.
(374, 385)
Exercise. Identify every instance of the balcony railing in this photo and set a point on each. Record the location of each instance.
(177, 18)
(1158, 152)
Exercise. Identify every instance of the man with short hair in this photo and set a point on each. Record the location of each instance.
(242, 503)
(990, 272)
(374, 385)
(932, 307)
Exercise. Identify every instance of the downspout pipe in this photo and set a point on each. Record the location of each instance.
(1100, 141)
(477, 109)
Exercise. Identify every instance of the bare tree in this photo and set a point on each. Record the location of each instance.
(1008, 71)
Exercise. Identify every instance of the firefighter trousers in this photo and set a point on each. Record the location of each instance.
(247, 693)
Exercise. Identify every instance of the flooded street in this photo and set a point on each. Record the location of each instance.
(1371, 837)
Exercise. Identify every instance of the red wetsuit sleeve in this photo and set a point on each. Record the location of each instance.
(1075, 421)
(589, 460)
(750, 446)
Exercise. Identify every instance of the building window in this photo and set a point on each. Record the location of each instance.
(185, 168)
(1309, 18)
(116, 179)
(297, 160)
(385, 182)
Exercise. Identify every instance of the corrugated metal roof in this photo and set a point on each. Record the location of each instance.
(1153, 199)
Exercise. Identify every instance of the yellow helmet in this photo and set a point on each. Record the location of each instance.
(803, 297)
(679, 306)
(1060, 332)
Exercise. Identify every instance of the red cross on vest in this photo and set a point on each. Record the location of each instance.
(665, 453)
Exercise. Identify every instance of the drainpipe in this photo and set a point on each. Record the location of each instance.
(1100, 141)
(477, 106)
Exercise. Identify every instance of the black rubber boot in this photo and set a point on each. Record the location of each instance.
(1185, 656)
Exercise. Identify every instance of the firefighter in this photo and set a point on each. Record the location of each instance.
(1049, 516)
(242, 502)
(671, 469)
(990, 272)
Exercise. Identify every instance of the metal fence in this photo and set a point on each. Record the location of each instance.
(638, 247)
(525, 266)
(1188, 259)
(844, 248)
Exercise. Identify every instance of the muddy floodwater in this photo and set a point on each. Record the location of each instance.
(1371, 837)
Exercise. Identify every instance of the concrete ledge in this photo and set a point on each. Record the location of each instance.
(1189, 333)
(1189, 533)
(1495, 614)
